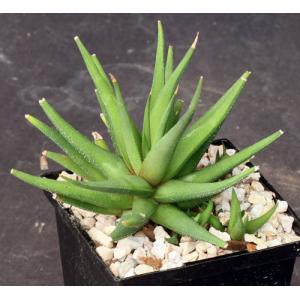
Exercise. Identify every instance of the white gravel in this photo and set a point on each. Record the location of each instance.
(136, 255)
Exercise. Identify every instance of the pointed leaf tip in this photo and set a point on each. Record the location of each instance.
(112, 78)
(245, 75)
(12, 171)
(41, 101)
(281, 132)
(195, 41)
(27, 116)
(76, 38)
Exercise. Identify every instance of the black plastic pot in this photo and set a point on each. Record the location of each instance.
(82, 266)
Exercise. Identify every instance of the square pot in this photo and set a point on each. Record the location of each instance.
(82, 265)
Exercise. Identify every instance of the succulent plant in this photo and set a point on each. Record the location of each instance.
(152, 173)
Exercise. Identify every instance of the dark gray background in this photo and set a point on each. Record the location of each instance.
(38, 58)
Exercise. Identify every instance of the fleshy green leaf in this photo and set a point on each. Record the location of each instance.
(66, 162)
(159, 69)
(160, 104)
(156, 162)
(108, 163)
(60, 141)
(131, 136)
(169, 63)
(90, 207)
(215, 222)
(131, 222)
(253, 225)
(203, 217)
(106, 200)
(177, 190)
(174, 219)
(236, 227)
(131, 185)
(225, 165)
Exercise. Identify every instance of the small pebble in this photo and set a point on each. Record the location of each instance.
(87, 223)
(160, 233)
(130, 273)
(190, 257)
(159, 248)
(257, 186)
(282, 206)
(221, 235)
(121, 252)
(114, 267)
(105, 253)
(187, 247)
(138, 254)
(99, 237)
(143, 269)
(286, 222)
(109, 229)
(256, 198)
(133, 242)
(125, 267)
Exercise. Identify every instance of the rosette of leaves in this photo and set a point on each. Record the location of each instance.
(151, 173)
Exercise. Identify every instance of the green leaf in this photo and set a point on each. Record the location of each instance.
(192, 203)
(106, 200)
(131, 136)
(236, 227)
(225, 165)
(100, 69)
(203, 129)
(253, 225)
(177, 190)
(61, 142)
(173, 239)
(175, 114)
(146, 139)
(159, 70)
(169, 64)
(215, 222)
(131, 222)
(108, 163)
(203, 217)
(174, 219)
(90, 207)
(66, 162)
(156, 162)
(160, 103)
(106, 98)
(131, 185)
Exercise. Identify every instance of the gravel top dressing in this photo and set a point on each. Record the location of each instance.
(148, 249)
